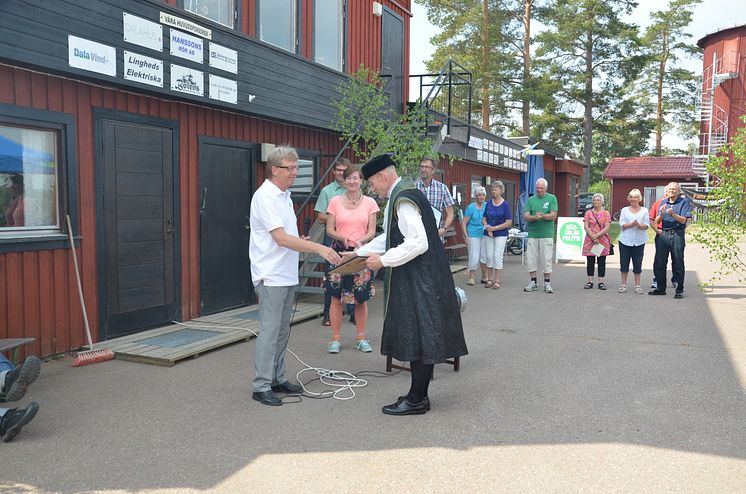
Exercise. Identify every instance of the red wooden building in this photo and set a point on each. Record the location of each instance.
(649, 174)
(147, 122)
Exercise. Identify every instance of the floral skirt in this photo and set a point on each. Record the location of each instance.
(350, 288)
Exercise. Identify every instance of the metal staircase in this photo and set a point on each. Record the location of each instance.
(713, 118)
(448, 102)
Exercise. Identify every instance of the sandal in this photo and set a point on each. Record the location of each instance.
(470, 282)
(588, 285)
(496, 285)
(601, 285)
(488, 284)
(483, 281)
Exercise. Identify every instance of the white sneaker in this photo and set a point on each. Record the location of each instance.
(532, 287)
(548, 287)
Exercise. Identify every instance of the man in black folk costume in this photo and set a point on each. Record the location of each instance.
(422, 323)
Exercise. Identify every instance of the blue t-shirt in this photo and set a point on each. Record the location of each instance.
(474, 227)
(497, 215)
(681, 207)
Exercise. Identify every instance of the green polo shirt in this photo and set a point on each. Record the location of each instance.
(326, 194)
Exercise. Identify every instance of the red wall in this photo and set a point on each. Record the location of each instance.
(38, 294)
(621, 186)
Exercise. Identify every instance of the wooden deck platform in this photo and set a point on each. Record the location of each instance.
(167, 345)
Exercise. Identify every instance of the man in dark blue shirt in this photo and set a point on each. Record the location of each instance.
(673, 214)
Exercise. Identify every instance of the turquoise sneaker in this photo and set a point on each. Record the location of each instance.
(363, 346)
(334, 346)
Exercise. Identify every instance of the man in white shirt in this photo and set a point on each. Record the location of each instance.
(422, 322)
(273, 250)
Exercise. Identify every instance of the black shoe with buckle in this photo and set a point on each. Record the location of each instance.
(403, 407)
(266, 398)
(287, 387)
(13, 421)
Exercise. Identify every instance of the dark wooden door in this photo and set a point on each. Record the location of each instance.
(138, 226)
(392, 57)
(225, 199)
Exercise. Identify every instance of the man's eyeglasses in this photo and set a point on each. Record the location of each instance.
(291, 168)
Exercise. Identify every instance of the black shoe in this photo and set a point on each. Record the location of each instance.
(657, 292)
(403, 407)
(14, 420)
(287, 387)
(325, 321)
(352, 318)
(426, 400)
(678, 295)
(266, 398)
(19, 379)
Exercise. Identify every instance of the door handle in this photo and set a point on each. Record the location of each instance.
(204, 201)
(170, 228)
(247, 225)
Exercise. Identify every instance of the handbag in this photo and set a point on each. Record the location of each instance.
(611, 244)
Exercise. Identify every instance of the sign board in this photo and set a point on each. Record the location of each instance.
(187, 46)
(89, 55)
(570, 237)
(223, 58)
(185, 25)
(187, 80)
(145, 70)
(223, 89)
(142, 32)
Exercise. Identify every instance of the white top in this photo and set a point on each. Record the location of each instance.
(633, 237)
(411, 226)
(272, 208)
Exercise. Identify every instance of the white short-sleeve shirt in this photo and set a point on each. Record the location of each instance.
(272, 208)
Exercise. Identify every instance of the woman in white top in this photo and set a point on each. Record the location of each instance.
(634, 220)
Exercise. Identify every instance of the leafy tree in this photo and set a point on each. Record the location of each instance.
(723, 228)
(670, 86)
(365, 115)
(592, 55)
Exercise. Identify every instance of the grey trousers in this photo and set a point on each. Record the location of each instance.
(275, 312)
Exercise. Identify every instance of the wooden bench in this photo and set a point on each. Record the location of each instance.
(452, 248)
(12, 345)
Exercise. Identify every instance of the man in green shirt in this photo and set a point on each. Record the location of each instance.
(540, 213)
(336, 188)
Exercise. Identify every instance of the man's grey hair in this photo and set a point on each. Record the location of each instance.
(542, 180)
(279, 154)
(479, 190)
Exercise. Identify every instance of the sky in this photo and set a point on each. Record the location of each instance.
(710, 16)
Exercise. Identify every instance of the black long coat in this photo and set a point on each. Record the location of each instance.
(422, 319)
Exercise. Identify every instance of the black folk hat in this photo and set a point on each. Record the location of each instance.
(376, 164)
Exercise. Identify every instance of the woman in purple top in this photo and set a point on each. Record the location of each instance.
(496, 220)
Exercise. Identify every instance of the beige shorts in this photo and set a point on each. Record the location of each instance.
(539, 252)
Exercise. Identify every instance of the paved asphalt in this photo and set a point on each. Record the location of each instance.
(578, 391)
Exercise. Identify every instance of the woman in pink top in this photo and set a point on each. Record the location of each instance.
(351, 222)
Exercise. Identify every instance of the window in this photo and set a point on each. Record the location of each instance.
(328, 33)
(38, 178)
(221, 11)
(278, 23)
(29, 165)
(303, 184)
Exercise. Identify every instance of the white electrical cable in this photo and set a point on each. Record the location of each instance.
(328, 377)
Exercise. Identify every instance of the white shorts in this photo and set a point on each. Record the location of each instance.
(539, 249)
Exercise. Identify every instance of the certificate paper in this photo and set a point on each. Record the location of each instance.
(350, 267)
(597, 249)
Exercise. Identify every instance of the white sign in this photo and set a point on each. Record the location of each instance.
(475, 142)
(187, 46)
(223, 89)
(142, 32)
(570, 237)
(186, 25)
(187, 80)
(223, 58)
(145, 70)
(89, 55)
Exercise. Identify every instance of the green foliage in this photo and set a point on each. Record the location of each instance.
(723, 229)
(365, 116)
(601, 187)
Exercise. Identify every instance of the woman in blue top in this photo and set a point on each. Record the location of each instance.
(474, 234)
(496, 221)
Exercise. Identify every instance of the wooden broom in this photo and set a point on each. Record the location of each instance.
(89, 356)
